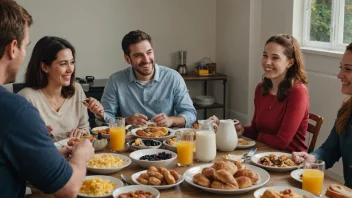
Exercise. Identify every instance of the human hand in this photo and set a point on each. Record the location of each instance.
(162, 119)
(299, 157)
(94, 106)
(215, 119)
(83, 149)
(50, 129)
(77, 133)
(239, 129)
(65, 151)
(137, 119)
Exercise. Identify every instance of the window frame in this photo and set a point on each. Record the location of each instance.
(337, 20)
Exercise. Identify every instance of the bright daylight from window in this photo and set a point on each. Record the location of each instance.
(328, 24)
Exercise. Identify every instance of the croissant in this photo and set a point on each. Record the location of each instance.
(225, 177)
(200, 179)
(248, 173)
(243, 182)
(226, 165)
(209, 172)
(220, 185)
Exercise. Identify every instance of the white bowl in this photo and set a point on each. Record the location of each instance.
(134, 188)
(118, 184)
(169, 147)
(204, 100)
(127, 161)
(134, 147)
(146, 164)
(107, 136)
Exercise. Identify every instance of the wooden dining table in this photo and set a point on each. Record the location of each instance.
(185, 190)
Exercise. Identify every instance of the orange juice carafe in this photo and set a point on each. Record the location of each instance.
(117, 134)
(184, 146)
(313, 181)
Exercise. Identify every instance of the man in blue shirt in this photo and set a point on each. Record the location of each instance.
(146, 91)
(26, 150)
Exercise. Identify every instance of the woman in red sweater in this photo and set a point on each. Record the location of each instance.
(281, 101)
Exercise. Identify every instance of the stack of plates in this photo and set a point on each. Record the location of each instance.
(204, 100)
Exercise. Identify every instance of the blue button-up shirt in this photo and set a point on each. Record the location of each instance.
(336, 147)
(167, 93)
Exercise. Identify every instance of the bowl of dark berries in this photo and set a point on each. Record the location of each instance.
(143, 144)
(153, 157)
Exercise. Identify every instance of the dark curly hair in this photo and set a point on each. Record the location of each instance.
(295, 73)
(134, 37)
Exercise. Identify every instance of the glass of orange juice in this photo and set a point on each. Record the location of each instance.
(117, 134)
(184, 147)
(313, 177)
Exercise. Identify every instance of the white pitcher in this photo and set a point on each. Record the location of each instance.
(226, 136)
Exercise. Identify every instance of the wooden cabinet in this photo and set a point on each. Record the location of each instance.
(193, 76)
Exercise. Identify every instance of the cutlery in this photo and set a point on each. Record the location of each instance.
(55, 139)
(249, 154)
(123, 177)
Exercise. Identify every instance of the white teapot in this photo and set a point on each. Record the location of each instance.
(226, 136)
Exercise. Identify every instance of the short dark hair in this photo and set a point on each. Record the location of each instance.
(134, 37)
(13, 19)
(45, 51)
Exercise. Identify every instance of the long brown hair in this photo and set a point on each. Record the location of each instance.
(45, 51)
(294, 74)
(344, 112)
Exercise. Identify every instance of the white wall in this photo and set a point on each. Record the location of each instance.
(96, 29)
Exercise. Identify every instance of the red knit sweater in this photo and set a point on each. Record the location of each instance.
(281, 125)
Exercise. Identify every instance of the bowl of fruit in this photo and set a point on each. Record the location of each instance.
(153, 157)
(143, 144)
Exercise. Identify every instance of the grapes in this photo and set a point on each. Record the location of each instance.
(150, 143)
(156, 157)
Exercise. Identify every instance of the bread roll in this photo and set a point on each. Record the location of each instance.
(200, 179)
(248, 173)
(243, 182)
(225, 177)
(338, 191)
(220, 185)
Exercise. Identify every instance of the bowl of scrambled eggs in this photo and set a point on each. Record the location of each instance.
(99, 186)
(107, 163)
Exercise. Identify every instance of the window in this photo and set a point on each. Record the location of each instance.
(327, 24)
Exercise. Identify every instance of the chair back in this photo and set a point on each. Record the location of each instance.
(314, 129)
(17, 87)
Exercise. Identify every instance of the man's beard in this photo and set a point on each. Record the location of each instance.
(136, 68)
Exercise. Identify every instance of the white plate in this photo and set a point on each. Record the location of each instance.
(161, 187)
(117, 182)
(256, 157)
(296, 175)
(127, 161)
(134, 188)
(63, 142)
(146, 164)
(261, 191)
(263, 179)
(100, 128)
(171, 134)
(250, 143)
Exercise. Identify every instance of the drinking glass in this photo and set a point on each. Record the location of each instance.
(184, 145)
(117, 134)
(313, 177)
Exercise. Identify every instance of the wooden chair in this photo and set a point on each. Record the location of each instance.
(314, 129)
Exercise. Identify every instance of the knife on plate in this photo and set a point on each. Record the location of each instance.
(250, 153)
